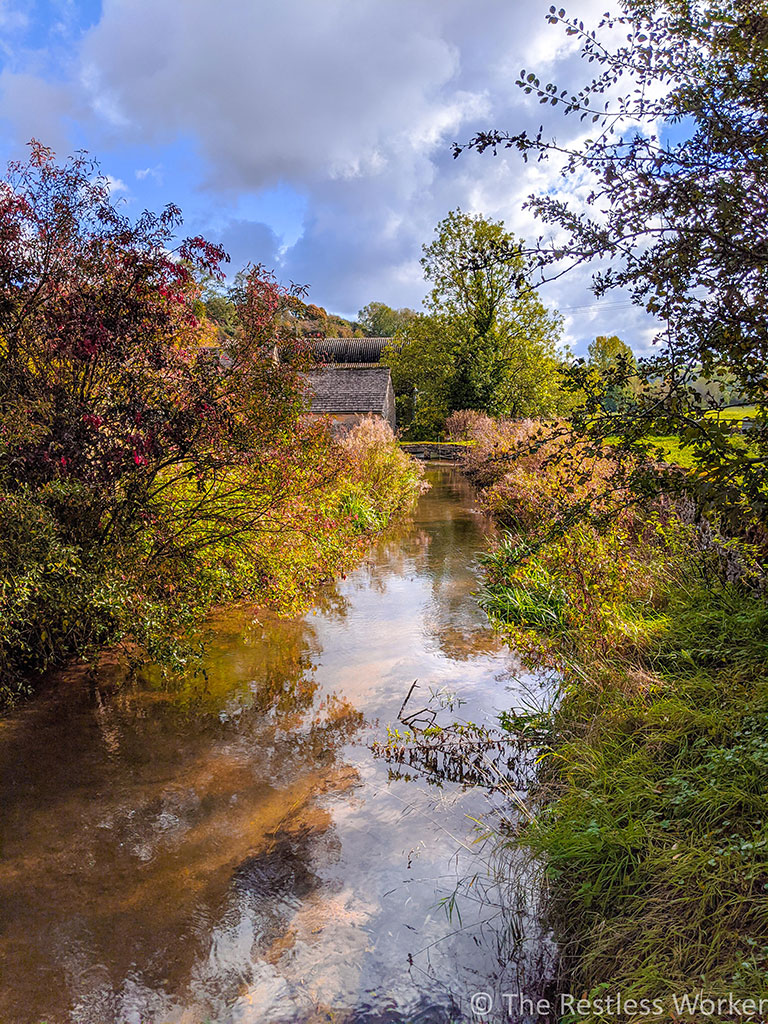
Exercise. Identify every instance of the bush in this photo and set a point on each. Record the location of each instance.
(52, 600)
(59, 598)
(467, 425)
(379, 469)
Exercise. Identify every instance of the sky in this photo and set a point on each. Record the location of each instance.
(314, 136)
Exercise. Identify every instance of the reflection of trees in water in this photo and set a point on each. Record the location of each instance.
(393, 557)
(242, 647)
(456, 536)
(331, 602)
(439, 548)
(133, 812)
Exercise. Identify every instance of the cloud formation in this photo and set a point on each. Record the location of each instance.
(352, 104)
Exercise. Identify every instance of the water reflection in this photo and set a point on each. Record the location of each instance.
(228, 849)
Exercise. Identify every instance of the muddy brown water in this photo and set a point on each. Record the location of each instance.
(229, 850)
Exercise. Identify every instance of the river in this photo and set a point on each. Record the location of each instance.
(229, 849)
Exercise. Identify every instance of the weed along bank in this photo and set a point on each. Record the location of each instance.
(647, 808)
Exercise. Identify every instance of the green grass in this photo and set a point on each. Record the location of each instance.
(672, 450)
(733, 413)
(674, 453)
(652, 800)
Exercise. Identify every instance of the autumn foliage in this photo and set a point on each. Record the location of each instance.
(148, 460)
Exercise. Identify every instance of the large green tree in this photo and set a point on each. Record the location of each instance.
(614, 368)
(378, 320)
(486, 341)
(677, 173)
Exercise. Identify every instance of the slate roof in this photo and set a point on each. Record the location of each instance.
(349, 390)
(351, 350)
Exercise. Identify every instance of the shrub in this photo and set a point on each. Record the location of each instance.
(380, 469)
(467, 425)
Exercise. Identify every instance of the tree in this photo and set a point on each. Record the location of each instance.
(607, 353)
(423, 371)
(136, 464)
(677, 216)
(218, 306)
(377, 320)
(478, 282)
(615, 366)
(476, 267)
(486, 341)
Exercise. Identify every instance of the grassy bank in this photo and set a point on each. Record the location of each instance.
(60, 598)
(651, 803)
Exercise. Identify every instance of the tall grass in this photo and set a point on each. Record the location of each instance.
(651, 800)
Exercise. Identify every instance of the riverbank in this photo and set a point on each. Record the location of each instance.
(300, 525)
(651, 799)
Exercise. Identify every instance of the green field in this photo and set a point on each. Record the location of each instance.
(733, 413)
(673, 451)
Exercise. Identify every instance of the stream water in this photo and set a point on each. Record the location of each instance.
(229, 849)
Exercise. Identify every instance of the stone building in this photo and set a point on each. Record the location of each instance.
(352, 383)
(348, 393)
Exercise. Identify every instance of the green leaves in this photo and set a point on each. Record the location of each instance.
(487, 342)
(676, 218)
(154, 461)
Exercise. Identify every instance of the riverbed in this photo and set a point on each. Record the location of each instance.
(228, 848)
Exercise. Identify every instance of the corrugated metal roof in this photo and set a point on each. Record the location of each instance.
(351, 350)
(349, 390)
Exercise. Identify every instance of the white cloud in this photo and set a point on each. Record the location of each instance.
(156, 173)
(353, 104)
(115, 185)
